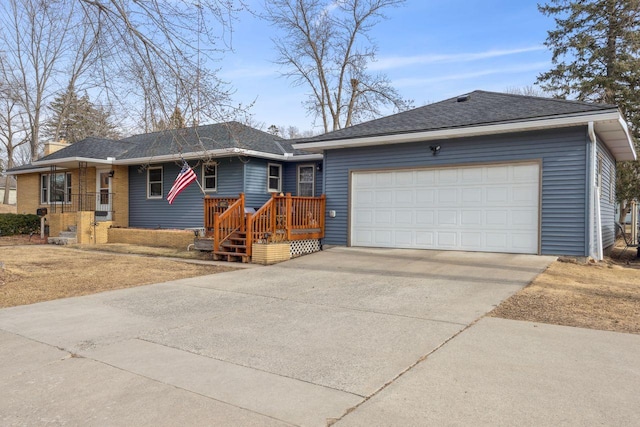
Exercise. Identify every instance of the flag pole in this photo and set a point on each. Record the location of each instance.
(204, 193)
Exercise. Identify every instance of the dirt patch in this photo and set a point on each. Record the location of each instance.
(30, 274)
(603, 296)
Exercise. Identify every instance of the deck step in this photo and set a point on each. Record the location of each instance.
(230, 256)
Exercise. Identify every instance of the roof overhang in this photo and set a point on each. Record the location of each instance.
(609, 125)
(224, 152)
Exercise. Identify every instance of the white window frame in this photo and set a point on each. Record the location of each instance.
(206, 166)
(45, 178)
(149, 182)
(313, 179)
(269, 177)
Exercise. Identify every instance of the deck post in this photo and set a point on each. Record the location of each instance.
(216, 233)
(289, 210)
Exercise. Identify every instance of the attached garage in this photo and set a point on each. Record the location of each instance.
(483, 171)
(490, 208)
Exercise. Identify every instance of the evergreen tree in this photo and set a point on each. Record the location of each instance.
(596, 57)
(176, 120)
(74, 118)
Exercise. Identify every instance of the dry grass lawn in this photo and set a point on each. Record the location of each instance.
(603, 296)
(36, 273)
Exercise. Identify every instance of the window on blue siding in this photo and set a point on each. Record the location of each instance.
(210, 176)
(154, 182)
(274, 178)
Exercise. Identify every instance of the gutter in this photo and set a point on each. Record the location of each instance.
(543, 123)
(595, 216)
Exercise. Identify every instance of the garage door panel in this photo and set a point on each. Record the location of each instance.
(487, 208)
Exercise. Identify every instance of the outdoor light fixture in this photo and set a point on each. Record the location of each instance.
(435, 149)
(111, 173)
(319, 167)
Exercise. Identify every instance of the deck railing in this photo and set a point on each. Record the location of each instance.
(228, 222)
(280, 218)
(213, 205)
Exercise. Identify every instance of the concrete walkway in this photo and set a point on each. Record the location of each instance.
(301, 343)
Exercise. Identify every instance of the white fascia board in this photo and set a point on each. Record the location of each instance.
(305, 157)
(34, 170)
(72, 159)
(544, 123)
(224, 152)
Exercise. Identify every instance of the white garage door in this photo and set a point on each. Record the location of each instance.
(485, 208)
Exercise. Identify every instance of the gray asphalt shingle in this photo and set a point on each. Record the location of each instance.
(480, 108)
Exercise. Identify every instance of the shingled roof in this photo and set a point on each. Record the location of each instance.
(474, 109)
(174, 142)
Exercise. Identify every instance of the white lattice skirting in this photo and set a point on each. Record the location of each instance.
(303, 247)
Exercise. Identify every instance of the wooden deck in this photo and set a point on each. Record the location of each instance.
(282, 218)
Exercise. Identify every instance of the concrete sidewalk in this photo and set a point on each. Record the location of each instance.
(299, 343)
(509, 373)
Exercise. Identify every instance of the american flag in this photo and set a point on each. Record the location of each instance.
(184, 178)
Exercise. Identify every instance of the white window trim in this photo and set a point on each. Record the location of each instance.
(313, 181)
(67, 189)
(204, 177)
(149, 196)
(274, 190)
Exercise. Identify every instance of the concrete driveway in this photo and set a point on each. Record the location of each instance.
(299, 343)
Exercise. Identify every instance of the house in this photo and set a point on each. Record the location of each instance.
(12, 189)
(480, 172)
(98, 184)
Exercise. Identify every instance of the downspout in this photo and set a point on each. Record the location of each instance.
(595, 216)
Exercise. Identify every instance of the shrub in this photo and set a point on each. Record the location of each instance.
(11, 224)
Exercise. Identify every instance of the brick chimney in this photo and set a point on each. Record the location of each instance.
(53, 146)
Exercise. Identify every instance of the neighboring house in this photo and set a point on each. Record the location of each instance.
(484, 171)
(124, 183)
(12, 189)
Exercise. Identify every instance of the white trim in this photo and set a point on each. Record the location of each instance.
(204, 177)
(161, 196)
(491, 129)
(274, 190)
(108, 161)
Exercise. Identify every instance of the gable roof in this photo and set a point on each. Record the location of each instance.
(221, 139)
(480, 112)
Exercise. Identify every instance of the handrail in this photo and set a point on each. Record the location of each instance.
(213, 205)
(289, 217)
(228, 222)
(260, 224)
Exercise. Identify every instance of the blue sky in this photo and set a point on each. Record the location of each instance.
(430, 49)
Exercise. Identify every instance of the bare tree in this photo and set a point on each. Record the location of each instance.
(14, 129)
(325, 46)
(149, 53)
(525, 90)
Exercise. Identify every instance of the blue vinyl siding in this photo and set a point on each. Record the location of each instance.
(607, 199)
(187, 209)
(291, 178)
(563, 153)
(255, 176)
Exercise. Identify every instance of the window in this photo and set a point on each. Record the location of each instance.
(210, 176)
(274, 178)
(306, 180)
(55, 188)
(154, 183)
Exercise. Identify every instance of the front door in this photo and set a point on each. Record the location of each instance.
(306, 180)
(103, 195)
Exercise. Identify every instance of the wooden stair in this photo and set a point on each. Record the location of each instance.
(234, 248)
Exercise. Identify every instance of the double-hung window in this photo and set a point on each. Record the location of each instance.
(210, 176)
(55, 188)
(274, 178)
(154, 182)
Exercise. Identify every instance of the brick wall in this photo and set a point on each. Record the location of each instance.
(178, 239)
